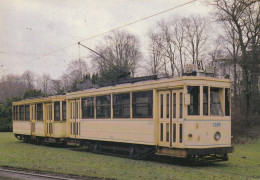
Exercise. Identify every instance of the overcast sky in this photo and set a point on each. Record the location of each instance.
(32, 32)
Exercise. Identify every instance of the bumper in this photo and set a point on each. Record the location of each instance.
(209, 151)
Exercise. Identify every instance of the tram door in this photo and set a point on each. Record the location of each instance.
(32, 118)
(177, 118)
(75, 118)
(49, 119)
(170, 118)
(164, 118)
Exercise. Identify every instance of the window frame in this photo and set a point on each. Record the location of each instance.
(228, 97)
(206, 101)
(64, 110)
(97, 106)
(16, 113)
(221, 98)
(25, 112)
(37, 111)
(125, 105)
(181, 105)
(134, 104)
(174, 105)
(54, 113)
(92, 106)
(20, 112)
(161, 106)
(193, 104)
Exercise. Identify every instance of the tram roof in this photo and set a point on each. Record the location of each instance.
(40, 99)
(160, 83)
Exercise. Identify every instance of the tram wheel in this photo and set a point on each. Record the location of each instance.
(27, 139)
(64, 143)
(97, 147)
(38, 140)
(134, 152)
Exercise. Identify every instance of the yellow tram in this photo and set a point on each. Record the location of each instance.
(187, 117)
(40, 119)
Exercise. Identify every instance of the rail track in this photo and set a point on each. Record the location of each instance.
(17, 174)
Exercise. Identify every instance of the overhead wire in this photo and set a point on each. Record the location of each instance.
(26, 54)
(120, 27)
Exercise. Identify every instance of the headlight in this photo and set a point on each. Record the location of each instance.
(217, 136)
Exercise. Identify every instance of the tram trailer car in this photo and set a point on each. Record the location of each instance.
(34, 120)
(186, 117)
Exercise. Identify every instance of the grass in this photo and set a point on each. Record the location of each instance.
(243, 164)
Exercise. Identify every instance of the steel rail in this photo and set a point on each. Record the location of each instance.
(34, 174)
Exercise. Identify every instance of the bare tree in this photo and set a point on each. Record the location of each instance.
(56, 87)
(196, 30)
(244, 17)
(216, 54)
(76, 70)
(66, 83)
(181, 39)
(156, 61)
(45, 80)
(168, 46)
(28, 78)
(11, 86)
(121, 53)
(231, 45)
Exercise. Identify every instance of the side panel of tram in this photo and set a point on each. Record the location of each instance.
(111, 117)
(185, 116)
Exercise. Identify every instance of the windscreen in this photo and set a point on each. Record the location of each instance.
(215, 102)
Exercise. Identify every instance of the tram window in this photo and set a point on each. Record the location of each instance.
(227, 102)
(49, 112)
(27, 113)
(181, 102)
(143, 104)
(71, 108)
(215, 103)
(35, 112)
(161, 105)
(16, 113)
(161, 132)
(77, 110)
(168, 105)
(205, 100)
(174, 105)
(194, 107)
(64, 111)
(167, 132)
(74, 128)
(56, 111)
(77, 128)
(13, 113)
(103, 105)
(39, 112)
(121, 105)
(87, 107)
(174, 132)
(21, 112)
(180, 133)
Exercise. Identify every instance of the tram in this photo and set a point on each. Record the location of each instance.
(185, 117)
